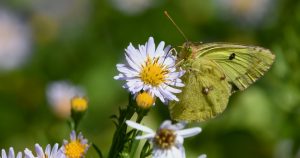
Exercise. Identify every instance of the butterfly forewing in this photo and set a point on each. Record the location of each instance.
(242, 65)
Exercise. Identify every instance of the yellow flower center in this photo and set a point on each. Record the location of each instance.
(153, 73)
(75, 149)
(165, 138)
(79, 104)
(144, 100)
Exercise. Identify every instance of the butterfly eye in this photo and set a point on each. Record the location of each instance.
(189, 49)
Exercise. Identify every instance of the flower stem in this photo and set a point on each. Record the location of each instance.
(119, 138)
(135, 143)
(97, 150)
(123, 142)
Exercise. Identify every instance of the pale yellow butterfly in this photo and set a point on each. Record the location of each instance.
(213, 72)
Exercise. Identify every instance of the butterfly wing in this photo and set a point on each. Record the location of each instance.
(214, 72)
(242, 65)
(205, 94)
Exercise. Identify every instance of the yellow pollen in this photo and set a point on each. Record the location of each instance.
(145, 100)
(79, 104)
(165, 138)
(75, 149)
(153, 73)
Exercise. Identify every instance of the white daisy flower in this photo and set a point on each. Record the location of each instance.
(11, 154)
(151, 69)
(77, 147)
(55, 152)
(168, 139)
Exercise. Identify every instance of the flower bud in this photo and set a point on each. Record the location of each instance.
(79, 104)
(145, 100)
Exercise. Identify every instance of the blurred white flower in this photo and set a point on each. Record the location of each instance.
(245, 11)
(168, 139)
(55, 152)
(58, 18)
(59, 95)
(15, 40)
(202, 156)
(132, 6)
(11, 154)
(62, 11)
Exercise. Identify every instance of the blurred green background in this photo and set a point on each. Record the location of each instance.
(79, 42)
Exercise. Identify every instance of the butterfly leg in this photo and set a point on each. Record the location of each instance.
(173, 50)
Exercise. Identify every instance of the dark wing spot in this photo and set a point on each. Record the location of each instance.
(234, 88)
(223, 77)
(232, 56)
(206, 90)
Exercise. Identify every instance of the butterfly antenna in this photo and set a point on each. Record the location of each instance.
(181, 32)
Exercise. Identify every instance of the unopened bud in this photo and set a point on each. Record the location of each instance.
(145, 100)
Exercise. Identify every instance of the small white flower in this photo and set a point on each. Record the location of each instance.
(168, 139)
(54, 153)
(151, 69)
(11, 154)
(76, 147)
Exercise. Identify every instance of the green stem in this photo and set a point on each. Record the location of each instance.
(119, 138)
(135, 143)
(97, 150)
(123, 141)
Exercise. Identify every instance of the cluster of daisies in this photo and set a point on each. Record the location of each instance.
(76, 147)
(150, 72)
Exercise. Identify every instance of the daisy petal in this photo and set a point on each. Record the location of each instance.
(139, 127)
(166, 124)
(150, 47)
(146, 136)
(160, 49)
(167, 49)
(39, 151)
(3, 153)
(189, 132)
(19, 155)
(11, 153)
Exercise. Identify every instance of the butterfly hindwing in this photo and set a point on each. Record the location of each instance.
(205, 94)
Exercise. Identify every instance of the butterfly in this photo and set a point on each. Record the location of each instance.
(214, 71)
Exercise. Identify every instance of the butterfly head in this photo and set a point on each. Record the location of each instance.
(188, 51)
